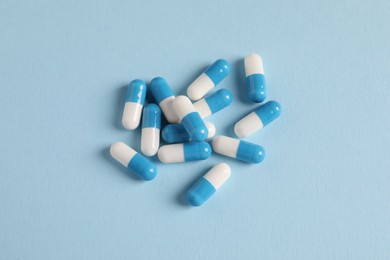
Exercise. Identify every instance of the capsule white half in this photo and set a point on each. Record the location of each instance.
(150, 141)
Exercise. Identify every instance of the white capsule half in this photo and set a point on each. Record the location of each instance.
(253, 64)
(211, 130)
(171, 153)
(200, 87)
(183, 106)
(167, 107)
(122, 153)
(131, 115)
(150, 141)
(226, 146)
(248, 125)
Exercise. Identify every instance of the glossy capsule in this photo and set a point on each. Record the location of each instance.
(134, 161)
(255, 81)
(206, 186)
(177, 134)
(151, 124)
(238, 149)
(164, 96)
(208, 79)
(190, 119)
(257, 119)
(213, 103)
(134, 102)
(184, 152)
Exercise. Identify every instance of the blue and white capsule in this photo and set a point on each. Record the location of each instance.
(184, 152)
(134, 161)
(164, 96)
(175, 133)
(151, 124)
(255, 81)
(206, 186)
(208, 79)
(135, 100)
(257, 119)
(190, 119)
(238, 149)
(213, 103)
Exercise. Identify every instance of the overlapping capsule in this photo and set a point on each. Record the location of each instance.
(134, 102)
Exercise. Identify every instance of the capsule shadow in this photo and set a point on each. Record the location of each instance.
(119, 101)
(239, 79)
(120, 168)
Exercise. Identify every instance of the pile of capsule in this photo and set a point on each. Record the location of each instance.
(187, 134)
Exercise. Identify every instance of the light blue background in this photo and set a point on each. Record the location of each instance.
(322, 192)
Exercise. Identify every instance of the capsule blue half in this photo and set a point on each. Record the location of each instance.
(164, 96)
(213, 103)
(184, 152)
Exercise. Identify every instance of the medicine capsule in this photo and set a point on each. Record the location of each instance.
(164, 96)
(190, 119)
(257, 119)
(135, 99)
(151, 124)
(134, 161)
(255, 81)
(184, 152)
(238, 149)
(206, 186)
(208, 79)
(213, 103)
(177, 134)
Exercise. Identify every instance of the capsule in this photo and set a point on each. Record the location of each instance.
(184, 152)
(206, 186)
(164, 96)
(151, 124)
(238, 149)
(255, 81)
(257, 119)
(208, 79)
(213, 103)
(134, 102)
(177, 134)
(134, 161)
(190, 119)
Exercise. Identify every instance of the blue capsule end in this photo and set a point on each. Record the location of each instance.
(142, 167)
(219, 100)
(201, 191)
(218, 71)
(136, 92)
(255, 84)
(249, 152)
(151, 116)
(195, 127)
(269, 112)
(160, 89)
(196, 151)
(175, 133)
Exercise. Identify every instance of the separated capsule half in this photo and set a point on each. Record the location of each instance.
(164, 96)
(213, 103)
(134, 161)
(135, 99)
(238, 149)
(190, 119)
(184, 152)
(151, 124)
(177, 134)
(208, 79)
(255, 81)
(257, 119)
(206, 186)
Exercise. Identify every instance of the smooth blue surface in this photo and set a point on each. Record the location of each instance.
(160, 89)
(268, 112)
(219, 100)
(151, 116)
(255, 85)
(142, 167)
(194, 151)
(136, 92)
(200, 192)
(321, 193)
(250, 152)
(175, 133)
(195, 127)
(218, 71)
